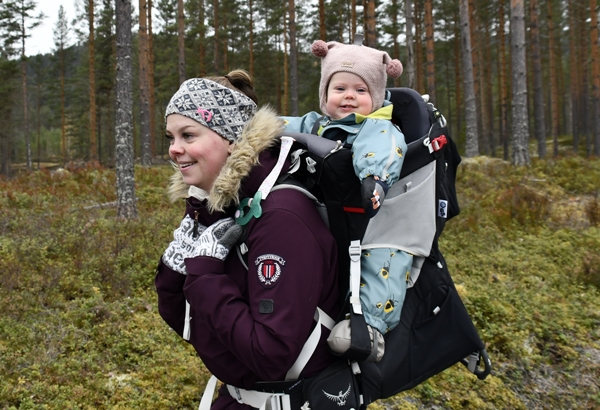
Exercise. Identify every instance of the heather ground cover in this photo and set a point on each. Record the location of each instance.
(79, 327)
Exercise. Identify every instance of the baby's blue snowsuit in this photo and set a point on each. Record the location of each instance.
(378, 149)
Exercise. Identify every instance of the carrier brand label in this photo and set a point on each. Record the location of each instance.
(443, 208)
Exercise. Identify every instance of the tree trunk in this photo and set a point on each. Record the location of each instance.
(520, 125)
(472, 139)
(124, 161)
(25, 109)
(216, 35)
(429, 53)
(144, 86)
(353, 19)
(419, 77)
(151, 80)
(554, 112)
(502, 86)
(202, 41)
(487, 99)
(251, 29)
(395, 35)
(457, 74)
(181, 40)
(370, 26)
(322, 27)
(475, 58)
(63, 128)
(409, 65)
(575, 108)
(595, 76)
(286, 69)
(538, 91)
(293, 59)
(92, 77)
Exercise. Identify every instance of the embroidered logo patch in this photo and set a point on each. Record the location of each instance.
(269, 269)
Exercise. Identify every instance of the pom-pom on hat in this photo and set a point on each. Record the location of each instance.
(373, 66)
(223, 110)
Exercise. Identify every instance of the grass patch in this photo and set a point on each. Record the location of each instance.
(80, 328)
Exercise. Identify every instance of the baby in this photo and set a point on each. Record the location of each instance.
(352, 94)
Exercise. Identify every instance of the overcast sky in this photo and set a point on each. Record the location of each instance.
(42, 37)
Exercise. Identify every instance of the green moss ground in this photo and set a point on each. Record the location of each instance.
(79, 327)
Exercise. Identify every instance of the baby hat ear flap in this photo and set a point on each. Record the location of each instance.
(393, 66)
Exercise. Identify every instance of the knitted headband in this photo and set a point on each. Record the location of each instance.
(373, 66)
(223, 110)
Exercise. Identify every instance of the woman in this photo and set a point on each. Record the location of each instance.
(248, 324)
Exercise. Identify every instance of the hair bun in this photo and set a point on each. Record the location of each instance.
(319, 48)
(394, 68)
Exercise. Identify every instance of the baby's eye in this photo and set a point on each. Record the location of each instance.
(339, 88)
(362, 90)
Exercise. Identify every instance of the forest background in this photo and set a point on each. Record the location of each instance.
(519, 84)
(502, 76)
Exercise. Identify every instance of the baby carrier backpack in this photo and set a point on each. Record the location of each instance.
(435, 330)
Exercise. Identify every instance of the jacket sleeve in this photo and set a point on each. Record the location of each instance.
(171, 301)
(265, 329)
(302, 124)
(379, 149)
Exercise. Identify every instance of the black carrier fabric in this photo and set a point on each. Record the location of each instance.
(435, 330)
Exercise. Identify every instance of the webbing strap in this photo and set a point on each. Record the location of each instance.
(208, 394)
(259, 399)
(278, 401)
(186, 326)
(354, 251)
(271, 179)
(310, 346)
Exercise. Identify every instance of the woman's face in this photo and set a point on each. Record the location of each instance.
(199, 152)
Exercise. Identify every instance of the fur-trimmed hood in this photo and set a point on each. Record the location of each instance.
(259, 134)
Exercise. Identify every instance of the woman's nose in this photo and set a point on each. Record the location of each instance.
(175, 148)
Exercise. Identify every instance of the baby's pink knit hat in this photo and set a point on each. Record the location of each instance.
(373, 66)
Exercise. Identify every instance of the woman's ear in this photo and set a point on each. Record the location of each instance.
(230, 147)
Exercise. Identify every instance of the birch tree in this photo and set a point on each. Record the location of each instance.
(472, 139)
(126, 201)
(520, 125)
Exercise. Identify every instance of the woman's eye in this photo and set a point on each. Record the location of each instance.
(187, 136)
(169, 137)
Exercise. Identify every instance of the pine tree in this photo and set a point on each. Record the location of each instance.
(126, 201)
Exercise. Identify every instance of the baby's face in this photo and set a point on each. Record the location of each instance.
(348, 93)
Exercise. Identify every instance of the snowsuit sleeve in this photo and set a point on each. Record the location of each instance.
(378, 150)
(302, 124)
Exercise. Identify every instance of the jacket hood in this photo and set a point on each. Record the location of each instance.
(259, 134)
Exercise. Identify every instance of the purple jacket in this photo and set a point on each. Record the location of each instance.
(250, 325)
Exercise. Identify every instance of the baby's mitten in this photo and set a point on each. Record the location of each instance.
(373, 193)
